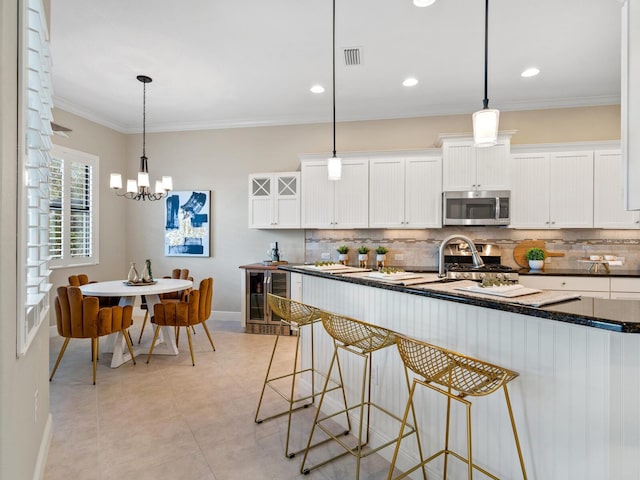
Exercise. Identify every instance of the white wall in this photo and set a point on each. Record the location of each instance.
(21, 433)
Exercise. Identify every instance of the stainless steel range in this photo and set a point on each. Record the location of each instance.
(459, 264)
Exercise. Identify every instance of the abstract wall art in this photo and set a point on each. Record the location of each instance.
(186, 231)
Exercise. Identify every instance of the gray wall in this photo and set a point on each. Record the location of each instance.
(220, 161)
(21, 434)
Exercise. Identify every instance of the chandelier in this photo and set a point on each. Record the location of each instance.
(140, 189)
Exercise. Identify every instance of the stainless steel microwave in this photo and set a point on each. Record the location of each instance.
(476, 208)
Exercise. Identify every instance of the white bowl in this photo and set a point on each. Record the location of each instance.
(595, 257)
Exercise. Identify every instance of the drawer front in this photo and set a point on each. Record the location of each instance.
(625, 285)
(587, 284)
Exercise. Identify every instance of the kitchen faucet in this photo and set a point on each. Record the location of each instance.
(477, 261)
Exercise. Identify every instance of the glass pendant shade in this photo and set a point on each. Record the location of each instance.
(115, 181)
(334, 167)
(485, 127)
(423, 3)
(132, 186)
(143, 179)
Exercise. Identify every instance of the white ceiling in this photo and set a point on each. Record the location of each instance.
(233, 63)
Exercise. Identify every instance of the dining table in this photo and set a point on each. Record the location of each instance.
(128, 291)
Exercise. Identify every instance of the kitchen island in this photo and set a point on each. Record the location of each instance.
(576, 401)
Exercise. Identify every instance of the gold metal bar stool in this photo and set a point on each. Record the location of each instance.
(456, 376)
(295, 315)
(360, 339)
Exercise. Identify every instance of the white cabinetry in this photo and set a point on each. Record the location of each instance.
(597, 287)
(274, 200)
(405, 192)
(335, 204)
(465, 167)
(552, 190)
(625, 288)
(608, 194)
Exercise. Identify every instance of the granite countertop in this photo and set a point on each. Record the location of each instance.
(613, 315)
(563, 272)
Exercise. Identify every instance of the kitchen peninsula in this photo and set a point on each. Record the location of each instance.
(575, 402)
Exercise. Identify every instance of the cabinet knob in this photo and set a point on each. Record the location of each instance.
(553, 223)
(564, 283)
(637, 221)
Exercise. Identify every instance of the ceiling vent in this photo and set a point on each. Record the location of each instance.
(352, 56)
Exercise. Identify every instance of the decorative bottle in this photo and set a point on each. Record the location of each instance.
(147, 276)
(275, 255)
(133, 274)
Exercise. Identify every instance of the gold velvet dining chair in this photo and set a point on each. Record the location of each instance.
(82, 317)
(196, 309)
(82, 279)
(176, 274)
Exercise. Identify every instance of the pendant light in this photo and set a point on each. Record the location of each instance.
(140, 189)
(485, 121)
(334, 164)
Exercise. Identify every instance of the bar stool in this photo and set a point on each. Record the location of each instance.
(294, 315)
(360, 339)
(456, 376)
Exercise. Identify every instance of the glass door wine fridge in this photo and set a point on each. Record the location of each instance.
(260, 282)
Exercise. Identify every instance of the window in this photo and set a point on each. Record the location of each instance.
(72, 208)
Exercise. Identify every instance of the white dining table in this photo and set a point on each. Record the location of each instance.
(115, 343)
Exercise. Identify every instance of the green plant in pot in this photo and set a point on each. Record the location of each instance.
(363, 250)
(535, 256)
(343, 257)
(381, 256)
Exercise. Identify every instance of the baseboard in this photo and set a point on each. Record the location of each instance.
(222, 315)
(41, 462)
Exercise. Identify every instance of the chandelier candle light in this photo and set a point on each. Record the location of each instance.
(485, 121)
(139, 190)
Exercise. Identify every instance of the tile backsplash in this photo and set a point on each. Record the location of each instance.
(420, 247)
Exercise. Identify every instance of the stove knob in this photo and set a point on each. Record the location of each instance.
(465, 275)
(481, 275)
(500, 276)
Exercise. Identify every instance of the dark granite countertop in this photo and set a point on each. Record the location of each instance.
(562, 272)
(613, 315)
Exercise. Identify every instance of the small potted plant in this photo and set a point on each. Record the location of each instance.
(535, 256)
(343, 258)
(381, 256)
(363, 250)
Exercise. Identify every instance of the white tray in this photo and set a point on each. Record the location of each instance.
(508, 291)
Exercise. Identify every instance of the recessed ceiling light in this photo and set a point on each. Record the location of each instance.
(530, 72)
(423, 3)
(410, 82)
(317, 89)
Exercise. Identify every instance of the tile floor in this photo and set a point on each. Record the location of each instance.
(170, 420)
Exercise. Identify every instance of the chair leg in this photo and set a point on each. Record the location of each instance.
(153, 342)
(127, 337)
(515, 433)
(64, 347)
(193, 362)
(176, 331)
(208, 335)
(144, 322)
(94, 341)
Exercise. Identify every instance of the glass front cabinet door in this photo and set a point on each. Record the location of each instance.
(260, 318)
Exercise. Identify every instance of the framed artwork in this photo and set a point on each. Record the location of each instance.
(186, 230)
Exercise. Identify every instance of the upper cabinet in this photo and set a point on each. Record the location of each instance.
(405, 191)
(630, 105)
(340, 203)
(552, 190)
(274, 200)
(466, 167)
(608, 204)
